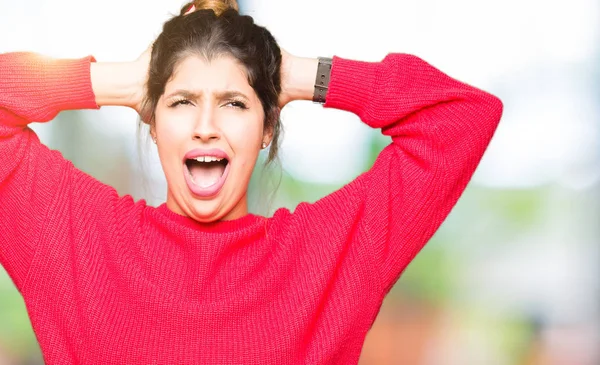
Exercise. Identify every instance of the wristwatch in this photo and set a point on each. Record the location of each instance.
(322, 80)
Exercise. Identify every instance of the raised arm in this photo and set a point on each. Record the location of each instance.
(440, 128)
(36, 184)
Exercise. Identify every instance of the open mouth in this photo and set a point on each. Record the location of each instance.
(206, 171)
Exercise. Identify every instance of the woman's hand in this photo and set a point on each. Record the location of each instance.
(140, 68)
(297, 78)
(120, 83)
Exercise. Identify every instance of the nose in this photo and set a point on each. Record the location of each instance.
(206, 128)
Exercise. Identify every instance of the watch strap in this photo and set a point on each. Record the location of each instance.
(322, 80)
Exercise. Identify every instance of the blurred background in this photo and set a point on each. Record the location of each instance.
(511, 277)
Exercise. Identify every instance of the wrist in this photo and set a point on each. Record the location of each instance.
(301, 78)
(116, 83)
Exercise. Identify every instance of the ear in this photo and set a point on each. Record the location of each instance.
(267, 136)
(153, 133)
(270, 126)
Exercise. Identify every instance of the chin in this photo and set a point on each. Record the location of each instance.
(206, 211)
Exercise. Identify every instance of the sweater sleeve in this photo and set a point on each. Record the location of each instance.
(439, 127)
(34, 179)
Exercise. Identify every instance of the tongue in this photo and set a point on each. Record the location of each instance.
(206, 174)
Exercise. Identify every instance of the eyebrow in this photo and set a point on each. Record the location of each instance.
(197, 95)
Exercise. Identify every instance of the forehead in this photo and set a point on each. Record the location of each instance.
(220, 73)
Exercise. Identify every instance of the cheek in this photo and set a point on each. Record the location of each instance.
(244, 136)
(170, 136)
(171, 129)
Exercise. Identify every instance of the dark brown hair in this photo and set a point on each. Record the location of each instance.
(217, 29)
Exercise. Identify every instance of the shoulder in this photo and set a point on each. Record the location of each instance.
(329, 216)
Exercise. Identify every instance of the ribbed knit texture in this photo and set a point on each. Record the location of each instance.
(107, 280)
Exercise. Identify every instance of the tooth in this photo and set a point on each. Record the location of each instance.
(200, 159)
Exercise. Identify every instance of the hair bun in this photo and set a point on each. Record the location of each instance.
(218, 6)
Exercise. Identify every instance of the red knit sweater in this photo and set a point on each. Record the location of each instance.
(107, 280)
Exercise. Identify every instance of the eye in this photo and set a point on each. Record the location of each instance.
(236, 104)
(177, 103)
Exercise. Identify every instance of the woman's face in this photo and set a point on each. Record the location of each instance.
(209, 131)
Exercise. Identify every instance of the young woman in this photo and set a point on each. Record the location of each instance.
(199, 280)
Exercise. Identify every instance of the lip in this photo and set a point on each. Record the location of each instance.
(214, 189)
(213, 152)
